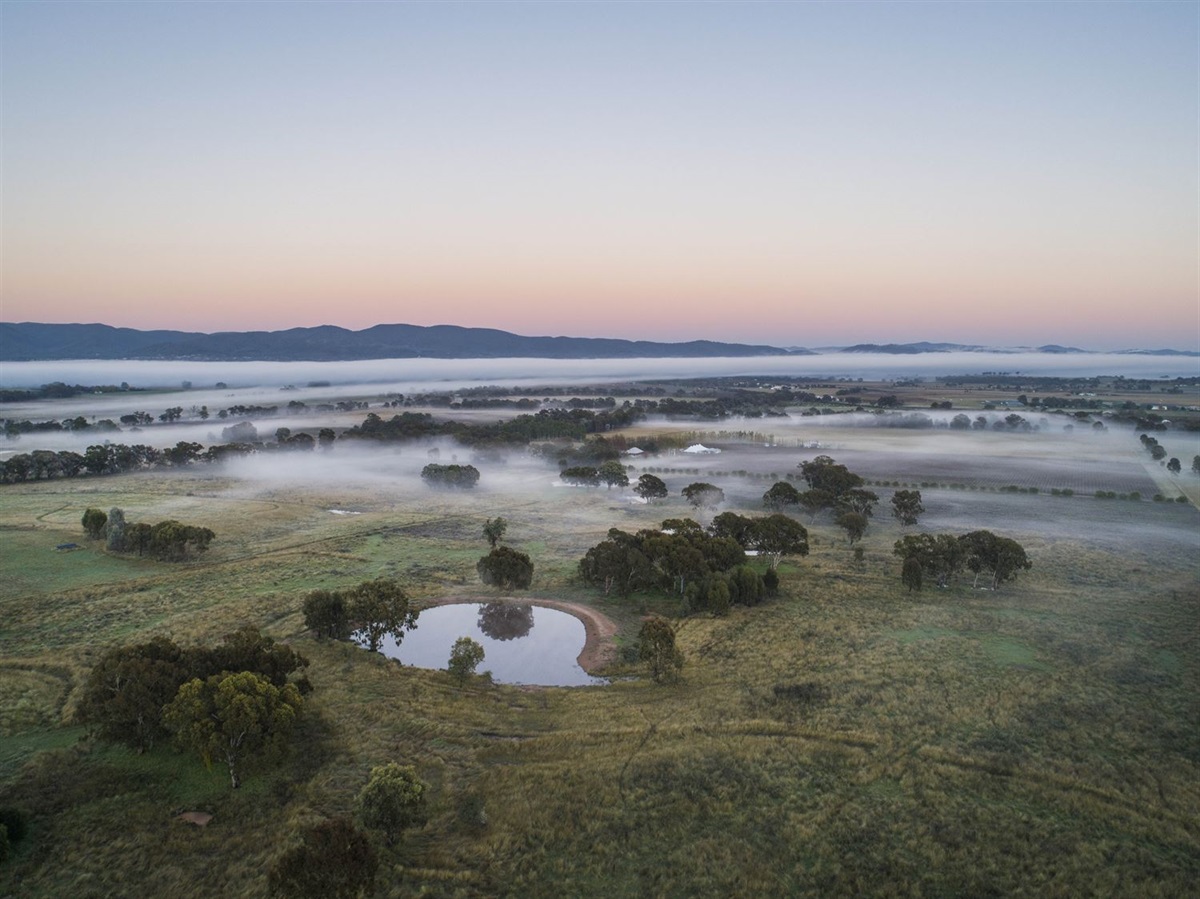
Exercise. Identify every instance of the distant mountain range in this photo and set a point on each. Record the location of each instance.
(31, 341)
(907, 349)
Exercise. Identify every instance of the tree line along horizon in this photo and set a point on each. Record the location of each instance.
(590, 431)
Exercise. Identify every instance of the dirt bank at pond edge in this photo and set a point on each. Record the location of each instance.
(599, 649)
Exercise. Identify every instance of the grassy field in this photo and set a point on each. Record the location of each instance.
(847, 738)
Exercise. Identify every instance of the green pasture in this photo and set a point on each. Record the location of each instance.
(847, 738)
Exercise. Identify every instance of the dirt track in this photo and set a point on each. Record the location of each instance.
(599, 650)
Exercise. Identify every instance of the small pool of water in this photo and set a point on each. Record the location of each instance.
(522, 644)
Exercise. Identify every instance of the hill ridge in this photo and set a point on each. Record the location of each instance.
(36, 341)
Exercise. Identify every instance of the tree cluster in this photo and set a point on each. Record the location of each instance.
(548, 424)
(170, 540)
(1153, 447)
(114, 458)
(834, 486)
(907, 506)
(772, 536)
(703, 496)
(454, 477)
(506, 569)
(942, 557)
(231, 700)
(333, 858)
(373, 609)
(669, 559)
(656, 647)
(651, 488)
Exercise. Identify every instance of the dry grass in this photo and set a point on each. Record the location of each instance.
(847, 738)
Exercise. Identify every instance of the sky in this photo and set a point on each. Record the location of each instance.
(797, 174)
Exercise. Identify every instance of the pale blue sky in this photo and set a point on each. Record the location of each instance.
(804, 173)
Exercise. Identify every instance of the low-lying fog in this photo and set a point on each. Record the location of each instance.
(408, 375)
(969, 467)
(519, 484)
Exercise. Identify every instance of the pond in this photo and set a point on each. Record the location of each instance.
(515, 650)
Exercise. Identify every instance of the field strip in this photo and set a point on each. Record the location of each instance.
(753, 728)
(942, 757)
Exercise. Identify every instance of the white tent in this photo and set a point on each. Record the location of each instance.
(701, 449)
(634, 451)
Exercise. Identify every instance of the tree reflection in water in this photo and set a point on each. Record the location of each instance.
(505, 621)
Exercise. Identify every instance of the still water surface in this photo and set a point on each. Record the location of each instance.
(522, 644)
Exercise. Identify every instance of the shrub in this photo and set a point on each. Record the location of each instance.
(15, 823)
(656, 647)
(327, 614)
(334, 860)
(456, 477)
(393, 799)
(506, 569)
(94, 521)
(465, 657)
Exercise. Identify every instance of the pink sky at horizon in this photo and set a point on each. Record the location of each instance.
(834, 174)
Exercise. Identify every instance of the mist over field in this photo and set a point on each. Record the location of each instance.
(406, 375)
(1104, 608)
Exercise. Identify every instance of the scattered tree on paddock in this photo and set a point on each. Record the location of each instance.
(943, 555)
(327, 614)
(858, 500)
(93, 522)
(239, 718)
(465, 657)
(823, 473)
(656, 647)
(733, 526)
(853, 523)
(453, 477)
(247, 649)
(776, 536)
(910, 574)
(1002, 556)
(618, 562)
(651, 488)
(394, 797)
(816, 501)
(940, 556)
(612, 473)
(906, 506)
(581, 476)
(781, 497)
(379, 609)
(114, 531)
(506, 569)
(124, 695)
(703, 496)
(493, 531)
